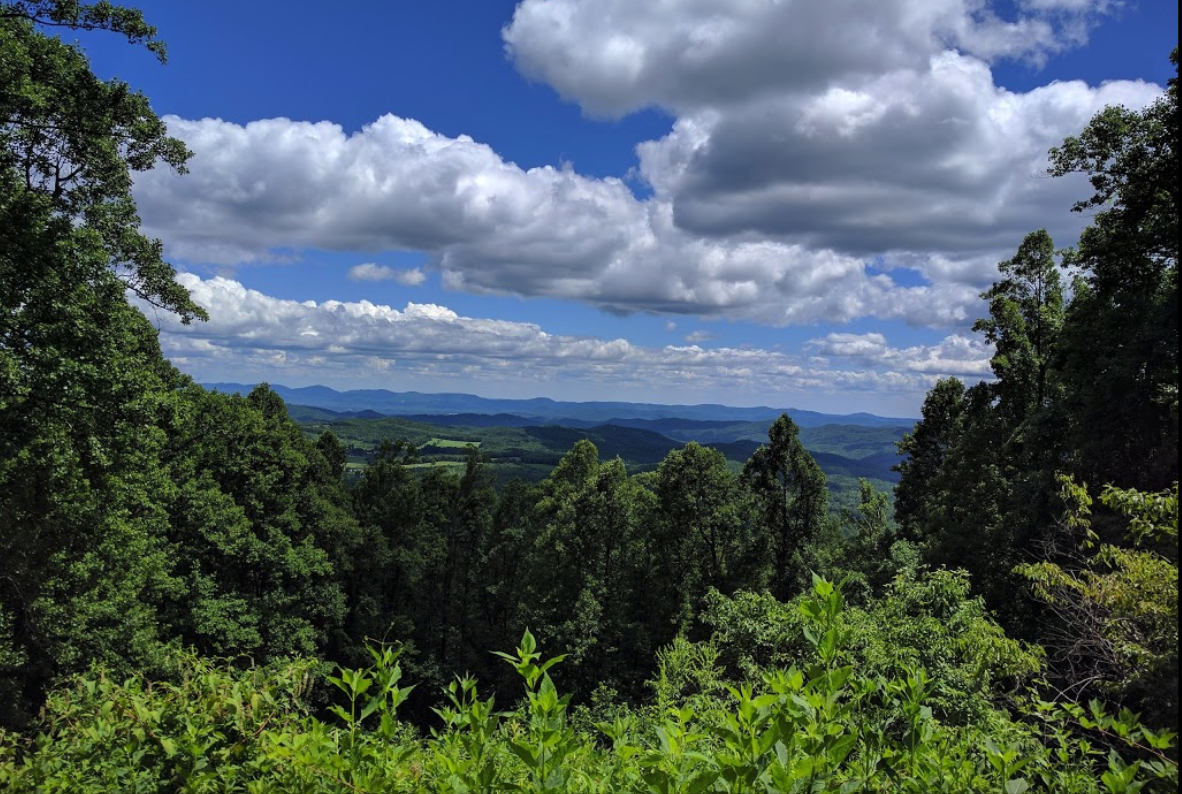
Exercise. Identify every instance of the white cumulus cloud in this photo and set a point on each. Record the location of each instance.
(957, 355)
(369, 271)
(810, 141)
(615, 56)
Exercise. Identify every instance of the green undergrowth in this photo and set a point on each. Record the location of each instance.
(819, 727)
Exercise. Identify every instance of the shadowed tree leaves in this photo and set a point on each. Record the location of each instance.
(872, 550)
(1116, 608)
(1090, 390)
(75, 15)
(255, 530)
(585, 566)
(85, 395)
(925, 449)
(1121, 361)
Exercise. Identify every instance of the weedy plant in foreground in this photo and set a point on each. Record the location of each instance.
(818, 728)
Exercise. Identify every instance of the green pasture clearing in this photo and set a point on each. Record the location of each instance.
(531, 453)
(449, 442)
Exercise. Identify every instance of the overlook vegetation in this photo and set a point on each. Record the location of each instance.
(194, 596)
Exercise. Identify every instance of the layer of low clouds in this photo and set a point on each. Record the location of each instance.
(290, 341)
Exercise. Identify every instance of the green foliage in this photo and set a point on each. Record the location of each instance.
(844, 452)
(250, 526)
(85, 395)
(588, 573)
(922, 621)
(1117, 609)
(872, 553)
(975, 520)
(1120, 365)
(139, 514)
(930, 620)
(925, 450)
(76, 15)
(824, 726)
(1025, 318)
(789, 488)
(974, 489)
(206, 732)
(702, 530)
(1089, 388)
(688, 673)
(72, 140)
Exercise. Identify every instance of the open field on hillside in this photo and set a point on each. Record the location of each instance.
(845, 453)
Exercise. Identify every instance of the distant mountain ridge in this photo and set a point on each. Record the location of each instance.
(417, 404)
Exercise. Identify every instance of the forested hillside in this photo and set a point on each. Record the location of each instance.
(194, 596)
(515, 448)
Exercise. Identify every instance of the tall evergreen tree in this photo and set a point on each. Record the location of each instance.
(977, 486)
(1121, 361)
(388, 504)
(792, 502)
(1090, 390)
(925, 449)
(501, 574)
(1025, 318)
(583, 571)
(705, 537)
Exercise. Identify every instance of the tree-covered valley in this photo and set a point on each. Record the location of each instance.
(514, 447)
(204, 591)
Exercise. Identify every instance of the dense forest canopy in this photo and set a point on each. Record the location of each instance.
(194, 598)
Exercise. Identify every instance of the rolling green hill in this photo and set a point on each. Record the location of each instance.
(518, 449)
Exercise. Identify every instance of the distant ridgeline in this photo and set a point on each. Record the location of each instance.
(527, 438)
(542, 410)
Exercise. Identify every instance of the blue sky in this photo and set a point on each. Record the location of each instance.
(741, 201)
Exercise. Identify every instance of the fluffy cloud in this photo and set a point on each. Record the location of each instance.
(372, 272)
(957, 355)
(868, 128)
(278, 183)
(494, 227)
(615, 56)
(810, 140)
(939, 161)
(284, 339)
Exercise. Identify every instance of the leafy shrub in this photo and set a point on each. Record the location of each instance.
(822, 726)
(925, 620)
